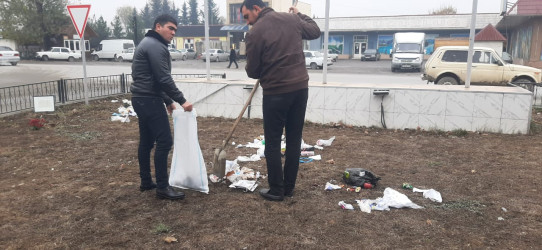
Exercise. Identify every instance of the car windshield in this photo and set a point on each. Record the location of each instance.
(370, 51)
(318, 54)
(4, 48)
(408, 47)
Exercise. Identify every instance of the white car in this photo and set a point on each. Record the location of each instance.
(7, 55)
(176, 55)
(315, 59)
(216, 55)
(126, 55)
(448, 66)
(189, 54)
(58, 53)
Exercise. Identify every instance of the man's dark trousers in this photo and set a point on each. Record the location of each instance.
(153, 127)
(283, 111)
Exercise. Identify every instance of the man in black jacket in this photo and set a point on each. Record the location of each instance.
(153, 87)
(233, 58)
(275, 55)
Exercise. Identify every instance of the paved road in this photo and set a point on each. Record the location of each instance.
(342, 71)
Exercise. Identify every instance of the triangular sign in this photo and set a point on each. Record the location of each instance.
(79, 15)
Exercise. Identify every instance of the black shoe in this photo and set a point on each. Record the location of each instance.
(147, 188)
(169, 193)
(289, 193)
(264, 192)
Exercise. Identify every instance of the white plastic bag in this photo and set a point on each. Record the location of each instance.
(187, 166)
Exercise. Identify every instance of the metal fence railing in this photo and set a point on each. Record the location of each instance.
(21, 97)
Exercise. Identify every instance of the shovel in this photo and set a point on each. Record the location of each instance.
(219, 159)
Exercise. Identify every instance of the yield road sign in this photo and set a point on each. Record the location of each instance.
(79, 15)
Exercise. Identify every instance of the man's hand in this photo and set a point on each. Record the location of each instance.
(293, 9)
(187, 106)
(170, 108)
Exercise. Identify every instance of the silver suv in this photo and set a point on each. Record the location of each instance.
(448, 66)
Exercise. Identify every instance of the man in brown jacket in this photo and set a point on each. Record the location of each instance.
(274, 48)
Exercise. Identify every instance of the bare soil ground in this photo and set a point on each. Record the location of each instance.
(74, 184)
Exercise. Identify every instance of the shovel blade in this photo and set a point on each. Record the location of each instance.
(219, 163)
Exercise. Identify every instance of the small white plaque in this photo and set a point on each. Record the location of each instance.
(44, 103)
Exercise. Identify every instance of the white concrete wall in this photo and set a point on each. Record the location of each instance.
(430, 107)
(8, 42)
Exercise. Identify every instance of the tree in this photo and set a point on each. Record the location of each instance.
(184, 16)
(165, 7)
(126, 17)
(146, 17)
(117, 28)
(175, 12)
(193, 17)
(100, 27)
(444, 10)
(33, 22)
(214, 13)
(156, 9)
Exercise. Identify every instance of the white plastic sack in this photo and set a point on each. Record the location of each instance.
(431, 194)
(187, 166)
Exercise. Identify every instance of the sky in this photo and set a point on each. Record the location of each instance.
(338, 8)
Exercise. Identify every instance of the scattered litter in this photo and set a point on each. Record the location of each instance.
(504, 209)
(330, 161)
(407, 186)
(316, 157)
(330, 186)
(307, 153)
(359, 176)
(392, 199)
(473, 171)
(346, 206)
(318, 147)
(235, 173)
(116, 117)
(114, 101)
(213, 178)
(245, 184)
(500, 218)
(123, 112)
(233, 143)
(326, 143)
(247, 158)
(431, 194)
(305, 160)
(170, 239)
(365, 205)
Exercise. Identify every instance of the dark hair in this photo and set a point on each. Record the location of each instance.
(249, 5)
(163, 19)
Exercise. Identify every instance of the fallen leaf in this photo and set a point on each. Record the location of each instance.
(170, 239)
(429, 222)
(330, 161)
(473, 171)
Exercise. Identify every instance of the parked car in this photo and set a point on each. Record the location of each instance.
(189, 54)
(175, 55)
(370, 55)
(109, 49)
(7, 55)
(126, 55)
(448, 66)
(330, 54)
(315, 59)
(58, 53)
(216, 55)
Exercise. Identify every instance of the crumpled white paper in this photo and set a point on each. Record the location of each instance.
(326, 143)
(245, 184)
(431, 194)
(391, 198)
(330, 186)
(254, 157)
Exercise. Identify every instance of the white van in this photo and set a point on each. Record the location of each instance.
(109, 49)
(408, 51)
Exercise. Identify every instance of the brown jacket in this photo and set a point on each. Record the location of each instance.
(274, 48)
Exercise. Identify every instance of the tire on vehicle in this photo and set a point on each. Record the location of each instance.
(314, 66)
(217, 59)
(45, 58)
(184, 58)
(447, 80)
(120, 59)
(14, 64)
(96, 58)
(71, 59)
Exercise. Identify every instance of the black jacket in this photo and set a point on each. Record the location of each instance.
(151, 70)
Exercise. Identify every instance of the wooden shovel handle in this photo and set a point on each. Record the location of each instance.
(241, 114)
